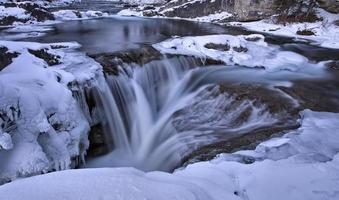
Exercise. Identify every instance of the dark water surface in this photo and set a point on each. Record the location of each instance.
(121, 33)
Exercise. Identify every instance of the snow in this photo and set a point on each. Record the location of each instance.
(326, 32)
(129, 12)
(217, 17)
(255, 51)
(47, 128)
(5, 141)
(289, 177)
(77, 15)
(13, 11)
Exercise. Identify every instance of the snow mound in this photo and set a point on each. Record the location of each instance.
(42, 126)
(292, 177)
(249, 51)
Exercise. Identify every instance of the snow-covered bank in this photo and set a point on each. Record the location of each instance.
(249, 51)
(42, 125)
(305, 166)
(324, 33)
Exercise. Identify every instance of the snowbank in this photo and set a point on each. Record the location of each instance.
(46, 126)
(326, 32)
(299, 174)
(249, 51)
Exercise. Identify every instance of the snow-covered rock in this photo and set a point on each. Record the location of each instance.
(299, 175)
(72, 14)
(324, 33)
(12, 13)
(249, 51)
(47, 128)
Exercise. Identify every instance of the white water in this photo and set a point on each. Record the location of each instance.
(136, 110)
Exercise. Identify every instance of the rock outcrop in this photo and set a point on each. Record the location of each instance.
(329, 5)
(245, 10)
(23, 12)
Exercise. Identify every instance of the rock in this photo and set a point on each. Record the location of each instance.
(33, 12)
(244, 10)
(243, 142)
(112, 61)
(6, 57)
(329, 5)
(97, 144)
(272, 101)
(333, 65)
(9, 20)
(300, 11)
(36, 11)
(305, 32)
(320, 96)
(49, 58)
(219, 47)
(240, 49)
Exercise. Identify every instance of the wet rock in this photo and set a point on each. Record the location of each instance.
(111, 61)
(219, 47)
(317, 96)
(6, 57)
(97, 145)
(49, 58)
(333, 65)
(273, 101)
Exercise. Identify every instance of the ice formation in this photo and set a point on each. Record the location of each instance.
(42, 126)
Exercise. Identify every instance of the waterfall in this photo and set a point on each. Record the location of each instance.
(136, 111)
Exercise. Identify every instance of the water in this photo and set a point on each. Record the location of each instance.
(141, 131)
(107, 6)
(121, 33)
(137, 110)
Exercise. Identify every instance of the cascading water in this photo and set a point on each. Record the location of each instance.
(136, 110)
